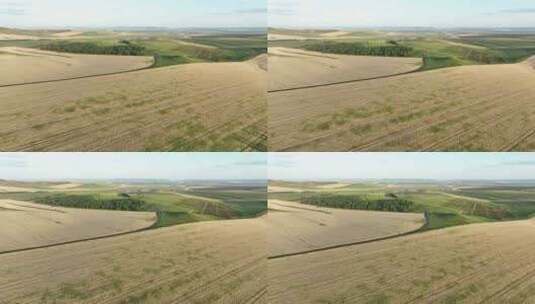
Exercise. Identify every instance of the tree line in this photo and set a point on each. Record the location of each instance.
(94, 202)
(124, 48)
(388, 203)
(346, 48)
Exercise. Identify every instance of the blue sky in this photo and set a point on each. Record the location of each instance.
(174, 166)
(336, 166)
(107, 13)
(436, 13)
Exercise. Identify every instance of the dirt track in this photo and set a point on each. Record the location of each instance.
(215, 262)
(196, 107)
(486, 263)
(470, 108)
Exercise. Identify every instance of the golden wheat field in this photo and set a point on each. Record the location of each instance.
(482, 263)
(16, 37)
(295, 227)
(293, 68)
(28, 225)
(469, 108)
(276, 34)
(211, 262)
(8, 189)
(23, 65)
(19, 187)
(195, 107)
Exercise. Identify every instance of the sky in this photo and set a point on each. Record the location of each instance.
(169, 166)
(277, 166)
(440, 166)
(114, 13)
(433, 13)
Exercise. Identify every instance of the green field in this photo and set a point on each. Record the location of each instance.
(172, 205)
(445, 206)
(438, 50)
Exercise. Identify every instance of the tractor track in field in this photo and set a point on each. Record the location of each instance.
(202, 288)
(509, 286)
(83, 131)
(411, 130)
(518, 141)
(500, 117)
(257, 297)
(403, 132)
(460, 281)
(417, 129)
(381, 140)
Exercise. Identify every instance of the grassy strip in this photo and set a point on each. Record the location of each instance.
(168, 218)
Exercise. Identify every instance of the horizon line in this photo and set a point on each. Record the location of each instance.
(396, 26)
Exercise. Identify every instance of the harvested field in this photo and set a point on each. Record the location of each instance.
(8, 189)
(27, 225)
(483, 263)
(195, 107)
(286, 34)
(469, 108)
(275, 189)
(12, 187)
(24, 65)
(275, 37)
(67, 34)
(196, 44)
(66, 186)
(334, 186)
(295, 227)
(8, 37)
(213, 262)
(293, 68)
